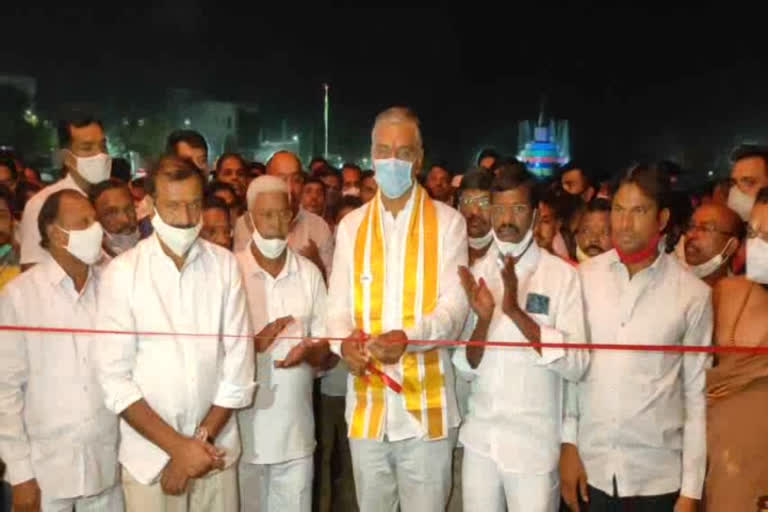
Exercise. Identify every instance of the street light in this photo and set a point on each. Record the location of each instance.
(295, 138)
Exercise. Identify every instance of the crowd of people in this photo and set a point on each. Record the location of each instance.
(272, 337)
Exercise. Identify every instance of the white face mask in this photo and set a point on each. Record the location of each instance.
(271, 248)
(710, 266)
(119, 243)
(351, 191)
(757, 260)
(178, 240)
(481, 242)
(516, 250)
(93, 169)
(581, 256)
(740, 202)
(85, 244)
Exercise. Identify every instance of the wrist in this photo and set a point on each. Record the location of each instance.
(202, 434)
(511, 309)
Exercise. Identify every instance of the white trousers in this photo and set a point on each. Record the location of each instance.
(282, 487)
(488, 489)
(413, 474)
(110, 500)
(215, 491)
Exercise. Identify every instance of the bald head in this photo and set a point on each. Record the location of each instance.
(287, 166)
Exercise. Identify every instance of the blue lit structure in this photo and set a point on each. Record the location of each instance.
(543, 144)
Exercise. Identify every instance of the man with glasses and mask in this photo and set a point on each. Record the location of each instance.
(749, 173)
(394, 279)
(56, 436)
(85, 162)
(519, 292)
(711, 238)
(176, 392)
(737, 387)
(116, 213)
(475, 206)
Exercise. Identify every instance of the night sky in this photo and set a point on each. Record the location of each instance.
(680, 84)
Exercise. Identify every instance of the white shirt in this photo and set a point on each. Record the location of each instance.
(280, 426)
(29, 233)
(179, 376)
(53, 423)
(516, 398)
(306, 226)
(642, 415)
(444, 323)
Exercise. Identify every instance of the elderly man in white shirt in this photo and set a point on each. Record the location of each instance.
(518, 292)
(309, 234)
(85, 161)
(286, 299)
(394, 279)
(183, 360)
(56, 436)
(637, 420)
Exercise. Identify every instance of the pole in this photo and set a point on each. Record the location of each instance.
(325, 119)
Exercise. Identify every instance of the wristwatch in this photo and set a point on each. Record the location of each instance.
(201, 434)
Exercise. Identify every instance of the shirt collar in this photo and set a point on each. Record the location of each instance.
(192, 254)
(57, 277)
(656, 266)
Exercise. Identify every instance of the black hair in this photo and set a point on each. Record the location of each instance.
(11, 165)
(23, 188)
(99, 188)
(316, 159)
(50, 212)
(257, 167)
(349, 165)
(191, 137)
(510, 177)
(121, 169)
(476, 179)
(212, 202)
(215, 186)
(236, 156)
(78, 119)
(174, 169)
(488, 152)
(442, 164)
(7, 196)
(652, 179)
(316, 181)
(368, 173)
(575, 166)
(598, 204)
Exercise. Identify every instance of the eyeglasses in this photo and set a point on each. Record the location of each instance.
(481, 202)
(517, 210)
(705, 228)
(280, 215)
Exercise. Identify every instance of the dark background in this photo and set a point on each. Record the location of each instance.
(685, 84)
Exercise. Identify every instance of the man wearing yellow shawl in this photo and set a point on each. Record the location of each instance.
(394, 295)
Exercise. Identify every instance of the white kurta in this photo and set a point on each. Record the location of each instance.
(54, 426)
(207, 360)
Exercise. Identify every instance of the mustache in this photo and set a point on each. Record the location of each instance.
(509, 227)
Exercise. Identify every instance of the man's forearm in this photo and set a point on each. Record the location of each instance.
(528, 327)
(146, 421)
(475, 352)
(215, 420)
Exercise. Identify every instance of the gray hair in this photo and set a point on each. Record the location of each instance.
(398, 115)
(263, 185)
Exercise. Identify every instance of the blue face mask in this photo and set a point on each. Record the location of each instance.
(393, 176)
